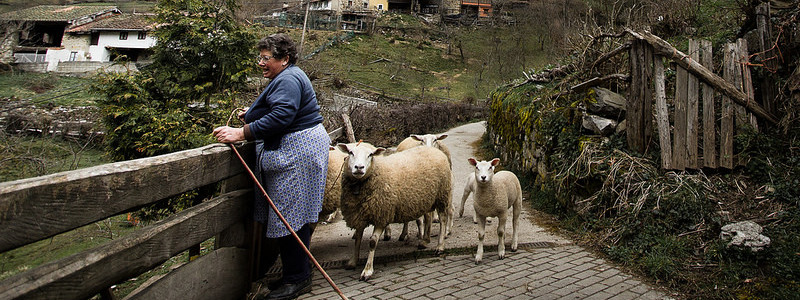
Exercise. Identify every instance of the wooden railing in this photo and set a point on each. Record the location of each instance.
(37, 208)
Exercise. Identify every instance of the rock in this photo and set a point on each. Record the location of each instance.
(745, 234)
(609, 104)
(599, 125)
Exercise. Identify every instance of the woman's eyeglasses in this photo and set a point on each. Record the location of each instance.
(261, 58)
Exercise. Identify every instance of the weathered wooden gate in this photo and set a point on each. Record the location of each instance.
(695, 89)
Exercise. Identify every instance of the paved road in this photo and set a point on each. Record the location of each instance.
(547, 266)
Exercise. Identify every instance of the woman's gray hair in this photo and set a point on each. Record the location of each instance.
(281, 45)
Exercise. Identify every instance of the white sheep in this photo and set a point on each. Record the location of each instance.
(378, 190)
(333, 184)
(495, 194)
(429, 140)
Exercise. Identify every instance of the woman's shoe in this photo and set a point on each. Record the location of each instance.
(290, 290)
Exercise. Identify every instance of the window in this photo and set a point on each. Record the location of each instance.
(380, 6)
(366, 5)
(95, 39)
(142, 35)
(123, 35)
(73, 56)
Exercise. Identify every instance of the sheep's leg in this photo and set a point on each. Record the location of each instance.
(419, 222)
(443, 230)
(481, 235)
(387, 234)
(514, 223)
(426, 234)
(354, 259)
(373, 243)
(501, 230)
(404, 233)
(450, 214)
(464, 197)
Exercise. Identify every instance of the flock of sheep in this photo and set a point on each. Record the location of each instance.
(373, 187)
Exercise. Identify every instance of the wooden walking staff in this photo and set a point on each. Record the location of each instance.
(283, 220)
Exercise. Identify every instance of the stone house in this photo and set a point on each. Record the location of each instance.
(74, 38)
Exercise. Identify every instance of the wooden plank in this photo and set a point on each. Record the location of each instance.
(680, 123)
(726, 123)
(747, 78)
(647, 95)
(221, 274)
(663, 48)
(709, 116)
(662, 114)
(769, 88)
(692, 110)
(741, 118)
(36, 208)
(634, 113)
(85, 274)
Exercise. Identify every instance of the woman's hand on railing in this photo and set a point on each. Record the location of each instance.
(227, 134)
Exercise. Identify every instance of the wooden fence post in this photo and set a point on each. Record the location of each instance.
(709, 117)
(681, 124)
(768, 57)
(747, 79)
(692, 109)
(639, 107)
(726, 123)
(662, 113)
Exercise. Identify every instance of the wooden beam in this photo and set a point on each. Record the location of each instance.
(663, 48)
(85, 274)
(633, 111)
(680, 122)
(37, 208)
(221, 274)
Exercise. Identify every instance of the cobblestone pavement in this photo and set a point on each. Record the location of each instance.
(546, 266)
(561, 272)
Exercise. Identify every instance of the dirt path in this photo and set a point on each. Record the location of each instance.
(332, 243)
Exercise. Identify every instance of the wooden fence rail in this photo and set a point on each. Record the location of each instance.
(695, 87)
(37, 208)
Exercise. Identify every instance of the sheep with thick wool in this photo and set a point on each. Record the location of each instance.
(378, 190)
(495, 194)
(430, 140)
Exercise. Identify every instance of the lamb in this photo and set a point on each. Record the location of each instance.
(495, 194)
(378, 190)
(429, 140)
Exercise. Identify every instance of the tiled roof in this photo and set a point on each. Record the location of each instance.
(119, 22)
(56, 13)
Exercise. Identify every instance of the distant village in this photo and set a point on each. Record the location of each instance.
(80, 39)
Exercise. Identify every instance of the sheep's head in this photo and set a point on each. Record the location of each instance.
(484, 170)
(359, 157)
(428, 139)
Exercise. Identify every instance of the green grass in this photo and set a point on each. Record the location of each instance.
(28, 156)
(46, 89)
(62, 245)
(415, 64)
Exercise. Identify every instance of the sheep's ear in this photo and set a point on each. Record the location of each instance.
(416, 137)
(495, 161)
(472, 161)
(441, 137)
(343, 147)
(378, 151)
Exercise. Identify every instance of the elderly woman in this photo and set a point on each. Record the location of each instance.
(292, 154)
